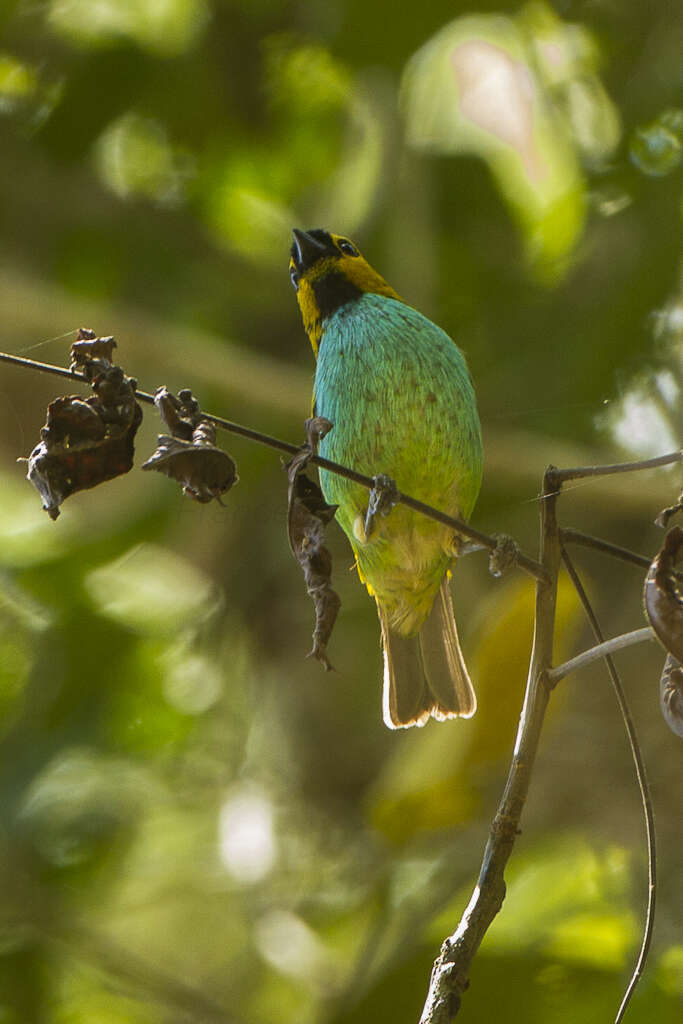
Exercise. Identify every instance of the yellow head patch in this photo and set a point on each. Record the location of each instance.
(328, 271)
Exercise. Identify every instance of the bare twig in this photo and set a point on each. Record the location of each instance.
(572, 536)
(450, 972)
(641, 777)
(525, 563)
(578, 472)
(617, 643)
(569, 535)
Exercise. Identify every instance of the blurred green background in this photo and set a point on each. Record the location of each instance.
(196, 823)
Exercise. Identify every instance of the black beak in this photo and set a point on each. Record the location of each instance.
(306, 249)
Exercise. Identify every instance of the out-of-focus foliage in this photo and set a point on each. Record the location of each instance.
(196, 823)
(523, 94)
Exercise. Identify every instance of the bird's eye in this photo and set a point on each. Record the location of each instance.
(348, 248)
(294, 278)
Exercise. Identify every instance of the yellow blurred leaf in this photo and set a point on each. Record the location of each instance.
(670, 970)
(501, 663)
(599, 939)
(16, 78)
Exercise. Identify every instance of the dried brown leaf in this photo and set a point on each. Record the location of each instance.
(666, 514)
(663, 604)
(88, 347)
(671, 694)
(189, 454)
(85, 441)
(664, 610)
(308, 515)
(204, 471)
(180, 413)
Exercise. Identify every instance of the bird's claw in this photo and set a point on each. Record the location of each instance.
(504, 555)
(316, 427)
(383, 497)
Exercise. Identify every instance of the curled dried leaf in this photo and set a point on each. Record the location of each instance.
(663, 603)
(189, 454)
(671, 694)
(664, 609)
(308, 515)
(666, 514)
(204, 471)
(86, 441)
(182, 413)
(89, 347)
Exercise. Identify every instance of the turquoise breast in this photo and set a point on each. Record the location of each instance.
(399, 394)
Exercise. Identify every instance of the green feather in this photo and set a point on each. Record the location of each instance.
(399, 394)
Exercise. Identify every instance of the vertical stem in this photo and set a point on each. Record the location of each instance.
(451, 969)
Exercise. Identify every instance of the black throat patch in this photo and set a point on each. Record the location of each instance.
(333, 291)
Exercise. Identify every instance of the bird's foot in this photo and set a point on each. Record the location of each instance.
(316, 427)
(383, 497)
(504, 555)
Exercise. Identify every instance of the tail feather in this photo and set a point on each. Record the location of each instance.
(426, 674)
(407, 701)
(443, 663)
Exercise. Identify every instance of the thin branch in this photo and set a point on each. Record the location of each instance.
(578, 472)
(450, 972)
(146, 397)
(617, 643)
(525, 563)
(33, 364)
(598, 544)
(567, 534)
(643, 788)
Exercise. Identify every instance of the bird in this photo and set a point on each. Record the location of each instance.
(400, 398)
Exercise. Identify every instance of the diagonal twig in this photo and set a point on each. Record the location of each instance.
(568, 534)
(643, 787)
